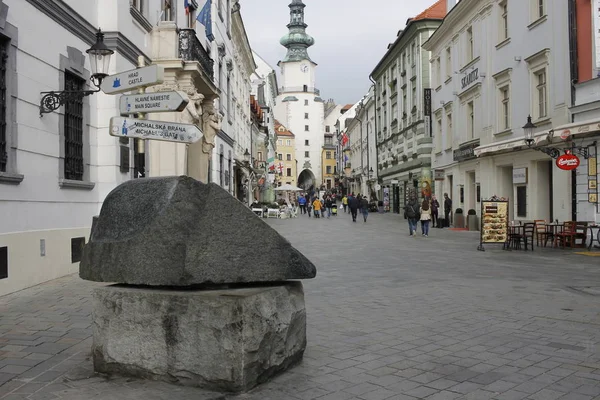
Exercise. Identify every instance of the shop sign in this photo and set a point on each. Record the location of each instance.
(564, 135)
(427, 111)
(519, 176)
(567, 162)
(470, 78)
(439, 174)
(466, 152)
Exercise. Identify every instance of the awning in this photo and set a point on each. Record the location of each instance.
(577, 128)
(507, 145)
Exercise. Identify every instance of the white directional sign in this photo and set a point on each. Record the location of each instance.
(153, 102)
(136, 78)
(154, 130)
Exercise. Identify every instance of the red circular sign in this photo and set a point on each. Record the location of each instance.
(565, 134)
(567, 162)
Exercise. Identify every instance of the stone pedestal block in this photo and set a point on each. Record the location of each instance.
(228, 340)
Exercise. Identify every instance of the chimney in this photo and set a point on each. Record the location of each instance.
(450, 4)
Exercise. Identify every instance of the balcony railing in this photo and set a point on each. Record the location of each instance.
(190, 49)
(305, 89)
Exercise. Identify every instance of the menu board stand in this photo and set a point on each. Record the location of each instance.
(494, 223)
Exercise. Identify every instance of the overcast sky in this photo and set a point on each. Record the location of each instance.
(351, 36)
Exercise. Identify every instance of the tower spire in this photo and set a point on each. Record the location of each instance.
(297, 41)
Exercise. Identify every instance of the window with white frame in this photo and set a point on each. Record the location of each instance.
(414, 96)
(541, 94)
(403, 101)
(503, 26)
(470, 48)
(438, 133)
(449, 130)
(288, 157)
(448, 62)
(438, 72)
(503, 100)
(538, 76)
(470, 120)
(394, 111)
(504, 108)
(305, 115)
(538, 9)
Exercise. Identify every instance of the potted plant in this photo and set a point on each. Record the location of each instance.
(459, 218)
(472, 220)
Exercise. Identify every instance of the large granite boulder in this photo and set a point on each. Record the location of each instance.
(176, 231)
(227, 340)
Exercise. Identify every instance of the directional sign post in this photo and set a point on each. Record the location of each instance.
(153, 102)
(154, 130)
(136, 78)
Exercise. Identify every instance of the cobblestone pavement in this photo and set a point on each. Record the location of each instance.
(389, 317)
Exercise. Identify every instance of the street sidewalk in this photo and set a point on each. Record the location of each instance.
(389, 317)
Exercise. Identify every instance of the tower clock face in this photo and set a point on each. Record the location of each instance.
(304, 68)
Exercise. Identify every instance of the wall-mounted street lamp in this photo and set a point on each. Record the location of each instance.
(551, 151)
(99, 55)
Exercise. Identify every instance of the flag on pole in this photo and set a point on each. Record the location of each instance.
(186, 5)
(271, 162)
(204, 17)
(344, 139)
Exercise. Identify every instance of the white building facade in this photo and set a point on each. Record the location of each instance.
(266, 90)
(56, 168)
(494, 64)
(299, 106)
(403, 137)
(362, 147)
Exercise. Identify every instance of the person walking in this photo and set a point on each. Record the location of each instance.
(345, 203)
(411, 212)
(353, 205)
(317, 207)
(302, 204)
(447, 208)
(435, 205)
(425, 217)
(364, 207)
(328, 205)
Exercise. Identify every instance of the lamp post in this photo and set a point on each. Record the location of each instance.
(100, 56)
(528, 130)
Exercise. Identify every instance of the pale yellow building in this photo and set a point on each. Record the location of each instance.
(328, 162)
(285, 162)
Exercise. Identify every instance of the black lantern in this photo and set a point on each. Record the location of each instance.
(528, 130)
(247, 156)
(100, 56)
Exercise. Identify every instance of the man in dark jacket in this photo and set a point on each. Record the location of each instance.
(328, 205)
(353, 205)
(411, 210)
(435, 206)
(447, 208)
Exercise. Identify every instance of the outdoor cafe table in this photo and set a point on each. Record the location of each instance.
(596, 238)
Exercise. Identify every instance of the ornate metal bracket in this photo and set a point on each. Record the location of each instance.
(555, 153)
(52, 101)
(551, 151)
(581, 151)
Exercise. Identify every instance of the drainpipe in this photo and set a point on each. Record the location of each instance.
(362, 169)
(376, 131)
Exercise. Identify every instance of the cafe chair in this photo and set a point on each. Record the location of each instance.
(542, 233)
(567, 236)
(580, 234)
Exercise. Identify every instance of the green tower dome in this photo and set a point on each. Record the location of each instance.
(297, 41)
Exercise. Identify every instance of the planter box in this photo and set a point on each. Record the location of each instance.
(473, 222)
(459, 220)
